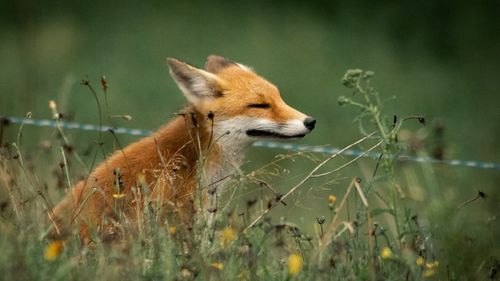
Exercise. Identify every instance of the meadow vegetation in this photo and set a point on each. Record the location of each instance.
(372, 219)
(334, 219)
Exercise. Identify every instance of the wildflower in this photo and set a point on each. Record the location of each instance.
(428, 272)
(53, 250)
(430, 268)
(119, 195)
(294, 264)
(432, 265)
(228, 235)
(217, 265)
(331, 201)
(386, 253)
(172, 230)
(420, 261)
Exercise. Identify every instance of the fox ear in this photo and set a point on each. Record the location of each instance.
(196, 84)
(216, 63)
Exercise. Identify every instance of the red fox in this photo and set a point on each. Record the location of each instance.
(189, 158)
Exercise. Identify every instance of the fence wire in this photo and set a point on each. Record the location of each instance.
(266, 144)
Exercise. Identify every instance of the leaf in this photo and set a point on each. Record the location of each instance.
(378, 211)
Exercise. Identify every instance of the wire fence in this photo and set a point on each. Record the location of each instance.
(266, 144)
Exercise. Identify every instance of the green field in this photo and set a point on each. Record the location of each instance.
(438, 59)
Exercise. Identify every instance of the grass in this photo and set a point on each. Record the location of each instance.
(381, 220)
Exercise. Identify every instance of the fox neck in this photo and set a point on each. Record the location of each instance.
(220, 145)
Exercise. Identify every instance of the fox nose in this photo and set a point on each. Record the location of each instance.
(310, 122)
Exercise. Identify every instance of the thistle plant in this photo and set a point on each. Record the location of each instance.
(367, 99)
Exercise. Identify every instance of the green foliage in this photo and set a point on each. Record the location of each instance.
(371, 106)
(438, 58)
(380, 228)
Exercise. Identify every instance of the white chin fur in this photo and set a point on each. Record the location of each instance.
(231, 136)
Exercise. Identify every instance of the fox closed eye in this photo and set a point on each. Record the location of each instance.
(260, 105)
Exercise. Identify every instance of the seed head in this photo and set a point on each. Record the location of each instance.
(321, 220)
(351, 77)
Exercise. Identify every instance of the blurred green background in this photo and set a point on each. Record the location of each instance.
(439, 58)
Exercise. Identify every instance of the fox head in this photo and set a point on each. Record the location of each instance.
(244, 106)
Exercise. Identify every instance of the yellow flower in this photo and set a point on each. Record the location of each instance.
(430, 269)
(218, 265)
(228, 235)
(53, 250)
(294, 264)
(420, 261)
(428, 272)
(432, 265)
(386, 253)
(172, 230)
(119, 195)
(332, 199)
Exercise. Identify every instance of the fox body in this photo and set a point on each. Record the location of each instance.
(229, 107)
